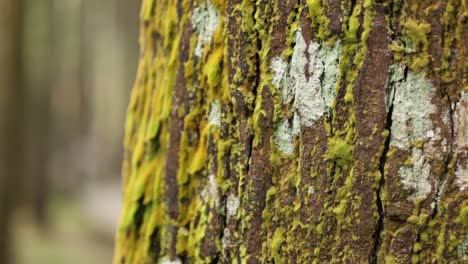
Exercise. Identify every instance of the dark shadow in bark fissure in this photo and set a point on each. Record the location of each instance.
(383, 159)
(155, 244)
(139, 213)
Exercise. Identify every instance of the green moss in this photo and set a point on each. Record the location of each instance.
(412, 47)
(320, 22)
(276, 243)
(420, 62)
(417, 247)
(418, 31)
(197, 161)
(340, 151)
(146, 10)
(463, 216)
(353, 24)
(340, 210)
(414, 219)
(424, 236)
(320, 228)
(212, 68)
(440, 245)
(390, 259)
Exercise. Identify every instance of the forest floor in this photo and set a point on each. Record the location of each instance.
(68, 238)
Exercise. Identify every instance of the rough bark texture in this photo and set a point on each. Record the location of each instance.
(276, 131)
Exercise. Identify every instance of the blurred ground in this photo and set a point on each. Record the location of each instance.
(78, 232)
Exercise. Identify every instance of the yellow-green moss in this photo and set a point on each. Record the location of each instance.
(320, 22)
(463, 216)
(276, 243)
(340, 151)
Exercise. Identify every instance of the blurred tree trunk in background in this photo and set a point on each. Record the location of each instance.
(127, 20)
(277, 131)
(11, 117)
(68, 101)
(106, 69)
(40, 69)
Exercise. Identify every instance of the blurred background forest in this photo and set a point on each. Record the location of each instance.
(66, 71)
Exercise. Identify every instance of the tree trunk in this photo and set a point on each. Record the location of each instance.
(39, 75)
(277, 131)
(11, 117)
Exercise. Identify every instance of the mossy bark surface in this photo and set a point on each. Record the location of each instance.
(314, 131)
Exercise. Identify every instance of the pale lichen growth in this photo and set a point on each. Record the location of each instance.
(462, 177)
(279, 68)
(416, 176)
(167, 260)
(461, 138)
(309, 80)
(210, 192)
(411, 95)
(227, 238)
(283, 137)
(463, 249)
(232, 205)
(430, 133)
(214, 118)
(313, 95)
(285, 134)
(412, 108)
(205, 20)
(432, 148)
(461, 121)
(296, 125)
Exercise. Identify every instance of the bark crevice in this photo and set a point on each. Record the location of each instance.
(442, 182)
(255, 86)
(383, 159)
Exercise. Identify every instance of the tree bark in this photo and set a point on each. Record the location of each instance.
(315, 131)
(11, 117)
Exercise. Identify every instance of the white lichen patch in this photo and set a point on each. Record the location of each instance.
(296, 125)
(416, 176)
(411, 94)
(463, 250)
(311, 80)
(214, 118)
(285, 134)
(412, 108)
(461, 121)
(167, 260)
(461, 175)
(227, 238)
(284, 137)
(232, 205)
(435, 143)
(210, 192)
(279, 68)
(205, 20)
(430, 133)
